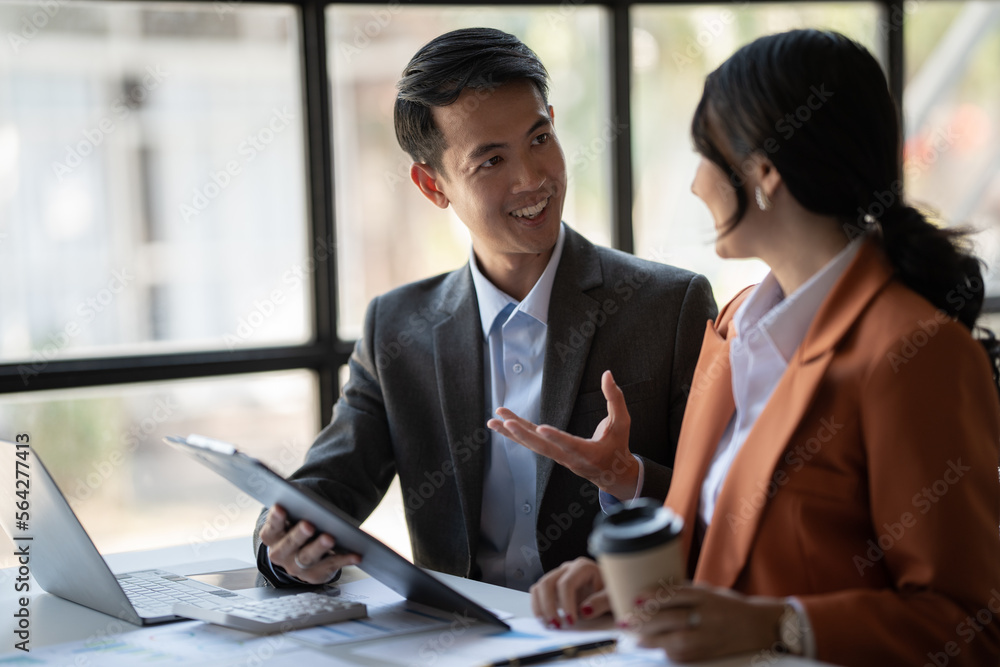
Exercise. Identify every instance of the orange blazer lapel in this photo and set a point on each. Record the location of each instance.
(709, 409)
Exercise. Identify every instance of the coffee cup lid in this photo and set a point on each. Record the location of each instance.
(634, 526)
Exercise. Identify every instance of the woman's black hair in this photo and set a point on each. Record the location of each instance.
(816, 104)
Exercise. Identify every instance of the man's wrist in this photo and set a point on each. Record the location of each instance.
(626, 484)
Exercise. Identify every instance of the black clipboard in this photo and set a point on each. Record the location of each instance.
(378, 560)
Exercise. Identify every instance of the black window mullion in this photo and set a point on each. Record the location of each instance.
(621, 117)
(39, 374)
(321, 197)
(893, 17)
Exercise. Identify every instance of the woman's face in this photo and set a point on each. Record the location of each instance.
(712, 186)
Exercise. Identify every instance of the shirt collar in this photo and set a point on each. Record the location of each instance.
(492, 300)
(786, 320)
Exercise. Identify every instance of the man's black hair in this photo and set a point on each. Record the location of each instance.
(478, 58)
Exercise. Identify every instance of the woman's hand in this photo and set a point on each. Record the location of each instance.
(695, 622)
(604, 459)
(572, 591)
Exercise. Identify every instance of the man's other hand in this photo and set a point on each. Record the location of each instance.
(603, 459)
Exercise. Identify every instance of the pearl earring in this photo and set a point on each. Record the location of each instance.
(763, 201)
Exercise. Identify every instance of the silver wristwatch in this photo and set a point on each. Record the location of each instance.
(790, 630)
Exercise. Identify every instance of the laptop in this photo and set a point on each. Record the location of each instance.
(65, 562)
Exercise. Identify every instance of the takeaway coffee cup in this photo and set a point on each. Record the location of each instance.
(638, 548)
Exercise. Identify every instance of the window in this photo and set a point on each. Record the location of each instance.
(104, 447)
(154, 186)
(952, 120)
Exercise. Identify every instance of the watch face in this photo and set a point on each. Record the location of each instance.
(790, 630)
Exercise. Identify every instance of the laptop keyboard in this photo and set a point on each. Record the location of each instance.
(154, 592)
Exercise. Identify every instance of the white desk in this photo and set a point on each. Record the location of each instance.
(54, 620)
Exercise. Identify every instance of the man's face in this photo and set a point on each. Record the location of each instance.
(503, 171)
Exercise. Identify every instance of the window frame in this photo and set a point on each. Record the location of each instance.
(326, 353)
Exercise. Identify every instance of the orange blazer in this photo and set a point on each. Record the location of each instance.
(868, 486)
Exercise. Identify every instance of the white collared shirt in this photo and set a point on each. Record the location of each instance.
(514, 335)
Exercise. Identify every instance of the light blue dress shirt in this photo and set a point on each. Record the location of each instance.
(514, 336)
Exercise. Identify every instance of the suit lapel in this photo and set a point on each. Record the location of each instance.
(566, 354)
(710, 407)
(743, 496)
(458, 358)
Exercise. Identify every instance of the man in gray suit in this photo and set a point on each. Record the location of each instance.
(532, 323)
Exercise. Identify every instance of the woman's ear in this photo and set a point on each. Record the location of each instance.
(766, 174)
(428, 181)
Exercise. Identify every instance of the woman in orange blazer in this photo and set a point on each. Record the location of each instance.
(837, 464)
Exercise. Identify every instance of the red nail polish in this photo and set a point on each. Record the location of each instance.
(639, 601)
(569, 619)
(586, 610)
(556, 623)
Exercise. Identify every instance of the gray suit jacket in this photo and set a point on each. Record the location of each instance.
(415, 402)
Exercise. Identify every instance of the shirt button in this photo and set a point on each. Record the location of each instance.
(518, 368)
(526, 508)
